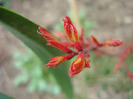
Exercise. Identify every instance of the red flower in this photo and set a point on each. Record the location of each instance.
(77, 65)
(47, 35)
(79, 45)
(112, 42)
(55, 61)
(70, 29)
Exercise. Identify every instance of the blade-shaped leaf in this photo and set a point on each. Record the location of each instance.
(25, 30)
(3, 96)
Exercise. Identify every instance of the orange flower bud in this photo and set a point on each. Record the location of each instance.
(55, 61)
(77, 65)
(112, 42)
(70, 29)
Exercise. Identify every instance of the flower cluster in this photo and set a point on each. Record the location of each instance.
(76, 44)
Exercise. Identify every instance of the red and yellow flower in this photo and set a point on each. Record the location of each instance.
(55, 61)
(77, 65)
(70, 29)
(78, 45)
(112, 42)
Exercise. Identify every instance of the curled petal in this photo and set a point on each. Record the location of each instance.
(77, 65)
(55, 61)
(112, 42)
(59, 46)
(47, 35)
(70, 29)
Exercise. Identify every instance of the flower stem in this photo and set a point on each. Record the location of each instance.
(75, 14)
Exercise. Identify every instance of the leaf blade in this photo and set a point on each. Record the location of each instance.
(3, 96)
(25, 30)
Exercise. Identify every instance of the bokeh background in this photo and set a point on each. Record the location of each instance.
(108, 18)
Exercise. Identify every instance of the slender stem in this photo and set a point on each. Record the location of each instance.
(126, 68)
(109, 54)
(96, 48)
(75, 14)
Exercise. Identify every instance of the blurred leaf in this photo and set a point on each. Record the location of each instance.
(33, 85)
(37, 72)
(59, 27)
(3, 96)
(25, 30)
(88, 24)
(55, 90)
(21, 79)
(82, 15)
(42, 86)
(32, 69)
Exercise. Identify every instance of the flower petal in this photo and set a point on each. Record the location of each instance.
(55, 61)
(46, 34)
(70, 29)
(77, 65)
(112, 42)
(59, 46)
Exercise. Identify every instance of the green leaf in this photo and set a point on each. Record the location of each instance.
(20, 79)
(3, 96)
(25, 30)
